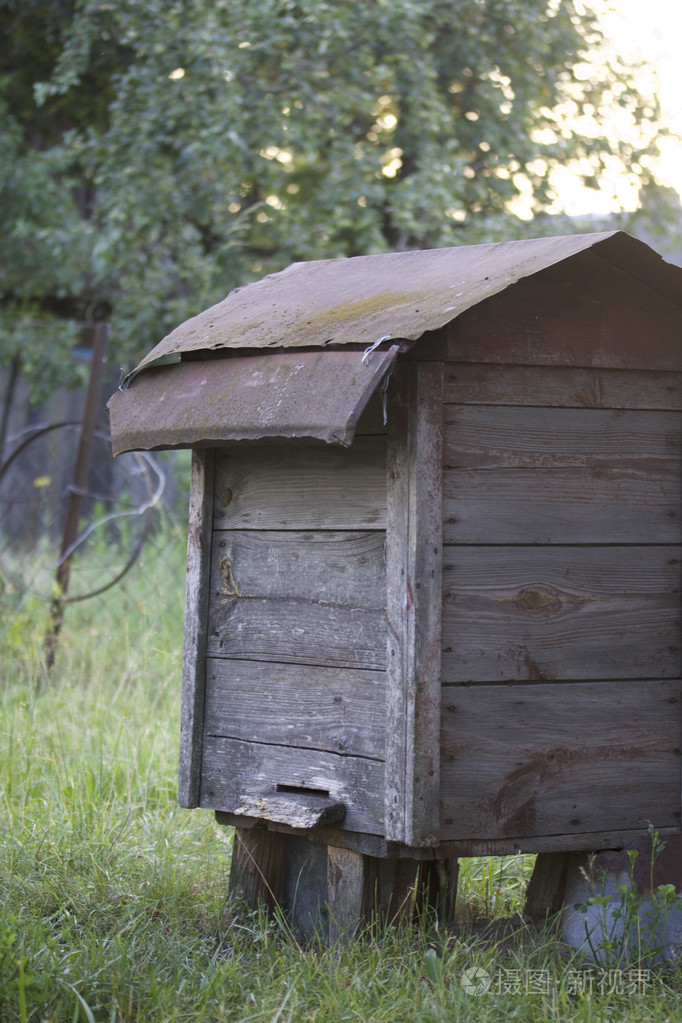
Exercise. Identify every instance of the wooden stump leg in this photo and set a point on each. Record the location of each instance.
(448, 876)
(545, 894)
(304, 886)
(347, 879)
(424, 884)
(257, 867)
(316, 885)
(362, 888)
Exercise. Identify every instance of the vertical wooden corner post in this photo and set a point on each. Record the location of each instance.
(196, 626)
(78, 488)
(414, 544)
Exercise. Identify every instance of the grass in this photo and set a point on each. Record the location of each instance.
(113, 901)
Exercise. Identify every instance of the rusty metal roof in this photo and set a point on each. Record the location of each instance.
(318, 395)
(360, 301)
(402, 295)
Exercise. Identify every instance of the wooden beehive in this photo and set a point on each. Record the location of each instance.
(457, 632)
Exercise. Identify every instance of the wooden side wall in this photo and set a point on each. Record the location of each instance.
(561, 565)
(296, 639)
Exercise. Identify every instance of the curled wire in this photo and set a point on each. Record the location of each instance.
(148, 463)
(370, 348)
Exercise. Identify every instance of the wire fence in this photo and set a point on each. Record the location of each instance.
(127, 565)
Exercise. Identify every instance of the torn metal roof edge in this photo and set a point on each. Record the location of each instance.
(358, 299)
(317, 395)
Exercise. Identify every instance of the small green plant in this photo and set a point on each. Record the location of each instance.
(629, 935)
(13, 976)
(23, 619)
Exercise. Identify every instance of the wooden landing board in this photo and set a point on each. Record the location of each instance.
(486, 437)
(520, 761)
(232, 768)
(299, 597)
(566, 505)
(290, 487)
(336, 709)
(561, 613)
(562, 387)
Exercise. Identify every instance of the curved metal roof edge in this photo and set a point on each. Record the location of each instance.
(397, 295)
(275, 395)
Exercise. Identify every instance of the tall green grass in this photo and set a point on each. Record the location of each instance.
(113, 901)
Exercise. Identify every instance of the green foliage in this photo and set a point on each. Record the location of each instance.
(493, 886)
(44, 345)
(23, 629)
(152, 156)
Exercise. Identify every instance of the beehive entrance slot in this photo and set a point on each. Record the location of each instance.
(303, 790)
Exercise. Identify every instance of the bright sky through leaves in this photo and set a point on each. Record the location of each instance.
(649, 30)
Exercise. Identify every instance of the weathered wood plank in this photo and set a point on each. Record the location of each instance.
(589, 573)
(196, 627)
(526, 437)
(330, 567)
(413, 570)
(299, 632)
(558, 386)
(539, 613)
(584, 312)
(336, 709)
(525, 761)
(232, 767)
(614, 839)
(291, 487)
(567, 505)
(306, 598)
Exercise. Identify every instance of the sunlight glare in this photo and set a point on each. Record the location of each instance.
(638, 31)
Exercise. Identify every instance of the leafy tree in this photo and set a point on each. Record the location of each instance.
(156, 153)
